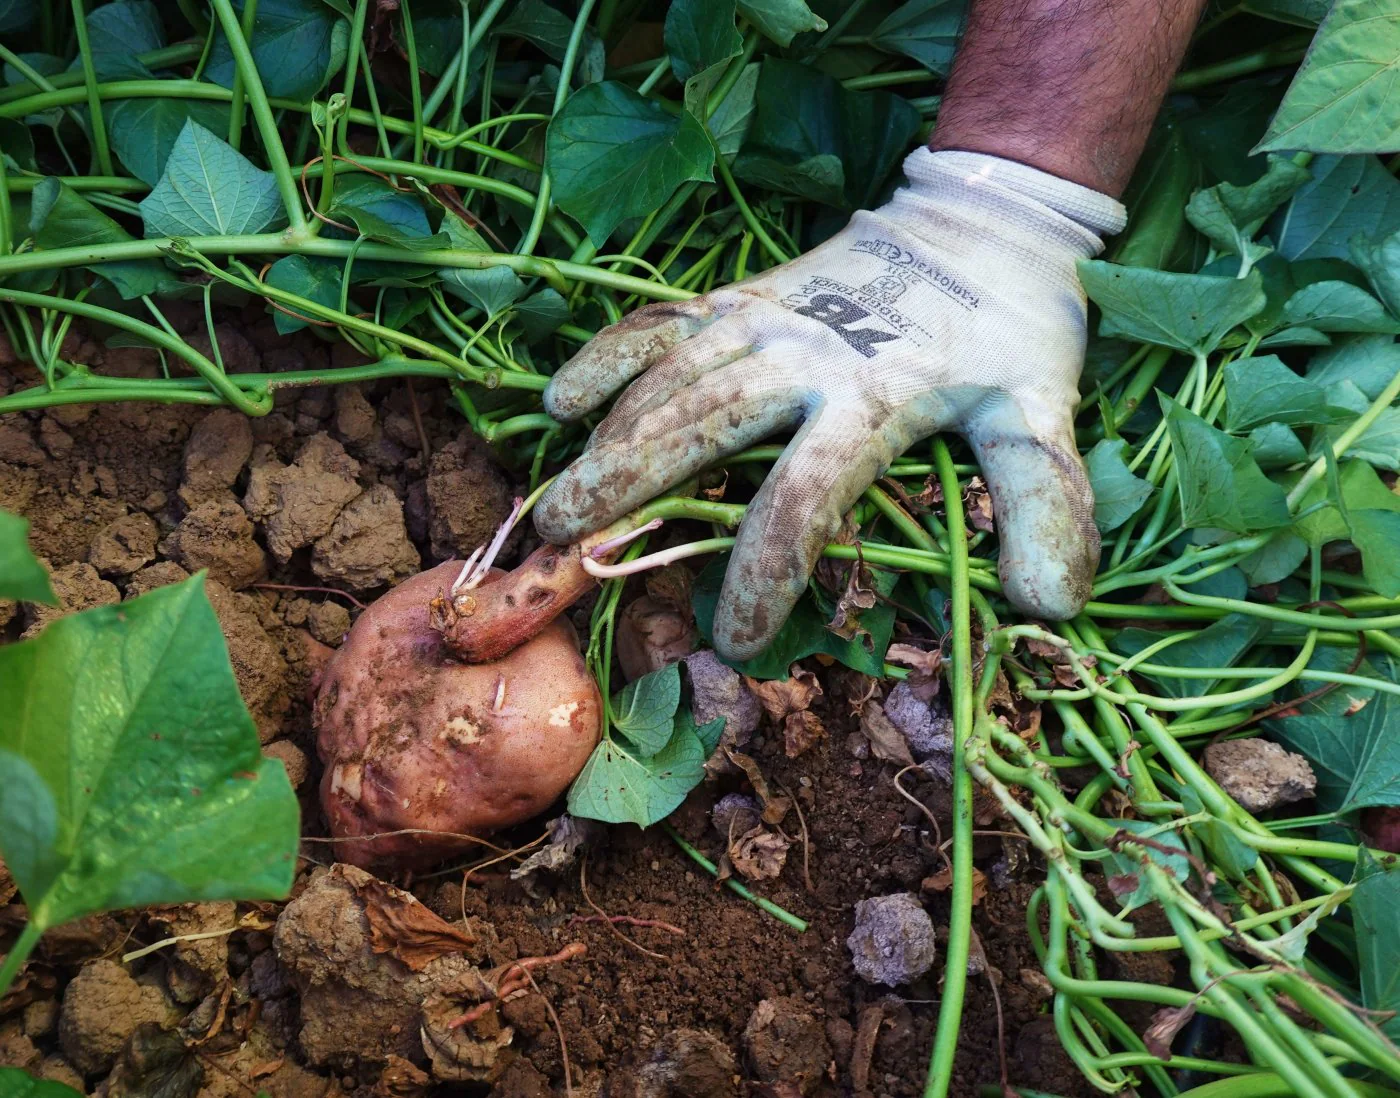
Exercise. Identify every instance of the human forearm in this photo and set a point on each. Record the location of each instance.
(1067, 86)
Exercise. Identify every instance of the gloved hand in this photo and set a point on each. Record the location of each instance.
(955, 306)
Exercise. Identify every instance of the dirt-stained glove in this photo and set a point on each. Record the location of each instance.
(955, 306)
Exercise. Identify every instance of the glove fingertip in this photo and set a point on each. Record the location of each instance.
(1047, 586)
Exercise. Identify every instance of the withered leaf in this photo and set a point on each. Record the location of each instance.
(886, 741)
(402, 927)
(801, 731)
(978, 503)
(670, 587)
(1165, 1025)
(1123, 884)
(943, 880)
(924, 666)
(779, 697)
(775, 807)
(759, 854)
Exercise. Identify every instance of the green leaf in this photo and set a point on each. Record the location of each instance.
(781, 20)
(15, 1083)
(22, 577)
(1368, 363)
(729, 125)
(1346, 96)
(380, 212)
(1303, 13)
(700, 34)
(543, 26)
(1276, 447)
(613, 154)
(1361, 489)
(297, 46)
(1229, 216)
(1118, 494)
(1375, 912)
(491, 289)
(1347, 195)
(644, 710)
(131, 769)
(708, 734)
(1354, 751)
(1220, 483)
(1377, 534)
(1379, 259)
(1277, 560)
(541, 314)
(617, 786)
(1264, 390)
(1129, 869)
(1379, 444)
(1338, 307)
(924, 30)
(803, 634)
(59, 217)
(1223, 644)
(1190, 312)
(17, 14)
(311, 277)
(144, 131)
(812, 138)
(210, 189)
(1226, 850)
(117, 33)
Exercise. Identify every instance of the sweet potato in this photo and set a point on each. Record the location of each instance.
(412, 738)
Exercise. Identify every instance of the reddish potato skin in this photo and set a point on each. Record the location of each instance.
(412, 738)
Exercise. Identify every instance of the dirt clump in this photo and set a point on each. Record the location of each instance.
(785, 1043)
(467, 496)
(893, 940)
(1259, 773)
(355, 418)
(218, 536)
(257, 659)
(367, 545)
(356, 1005)
(298, 503)
(293, 759)
(78, 587)
(218, 448)
(199, 965)
(18, 447)
(328, 622)
(124, 546)
(685, 1063)
(102, 1007)
(161, 574)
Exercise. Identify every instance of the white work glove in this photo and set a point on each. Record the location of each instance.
(955, 306)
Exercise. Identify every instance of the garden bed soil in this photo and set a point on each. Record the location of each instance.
(349, 489)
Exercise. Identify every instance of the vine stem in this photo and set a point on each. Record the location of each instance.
(19, 953)
(99, 124)
(262, 116)
(783, 916)
(945, 1041)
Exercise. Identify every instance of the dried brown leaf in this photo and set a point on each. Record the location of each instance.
(759, 854)
(1165, 1025)
(402, 1079)
(402, 927)
(780, 697)
(775, 807)
(978, 503)
(943, 880)
(886, 741)
(801, 731)
(670, 587)
(1123, 884)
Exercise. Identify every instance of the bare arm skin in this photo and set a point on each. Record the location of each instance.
(1067, 86)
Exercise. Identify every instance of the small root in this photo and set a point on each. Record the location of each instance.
(606, 919)
(479, 563)
(806, 840)
(628, 920)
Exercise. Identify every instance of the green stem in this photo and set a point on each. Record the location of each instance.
(19, 953)
(734, 886)
(262, 115)
(945, 1041)
(235, 115)
(97, 121)
(1287, 52)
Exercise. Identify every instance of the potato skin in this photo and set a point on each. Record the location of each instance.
(411, 738)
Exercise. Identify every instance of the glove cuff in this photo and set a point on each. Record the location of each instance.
(927, 170)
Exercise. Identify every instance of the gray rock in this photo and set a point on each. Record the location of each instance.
(927, 726)
(893, 940)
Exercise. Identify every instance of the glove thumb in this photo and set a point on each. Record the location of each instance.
(1043, 504)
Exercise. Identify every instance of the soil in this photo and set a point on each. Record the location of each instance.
(352, 489)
